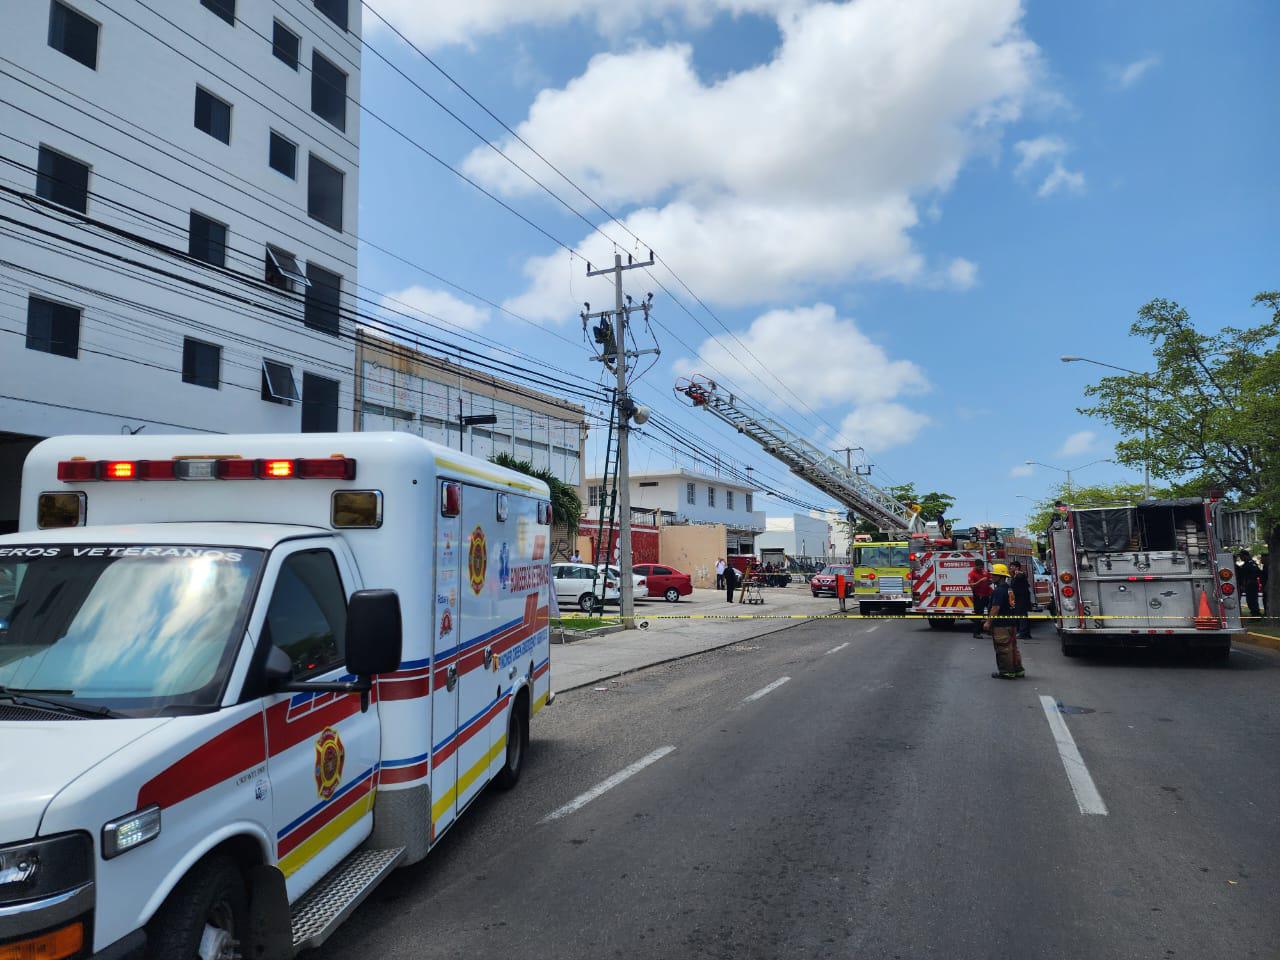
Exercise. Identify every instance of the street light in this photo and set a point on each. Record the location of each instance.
(1092, 463)
(1146, 415)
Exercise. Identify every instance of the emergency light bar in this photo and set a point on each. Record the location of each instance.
(209, 468)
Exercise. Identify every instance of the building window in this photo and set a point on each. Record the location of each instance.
(201, 363)
(328, 91)
(283, 156)
(213, 115)
(283, 270)
(319, 404)
(207, 240)
(226, 9)
(62, 180)
(321, 311)
(746, 497)
(324, 192)
(53, 327)
(335, 10)
(711, 496)
(74, 34)
(728, 499)
(278, 385)
(690, 494)
(643, 483)
(593, 496)
(285, 44)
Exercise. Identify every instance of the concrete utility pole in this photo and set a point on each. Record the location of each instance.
(625, 407)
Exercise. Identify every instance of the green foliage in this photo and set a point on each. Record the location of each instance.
(1100, 495)
(566, 505)
(931, 503)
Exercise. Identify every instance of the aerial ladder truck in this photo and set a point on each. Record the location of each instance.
(879, 584)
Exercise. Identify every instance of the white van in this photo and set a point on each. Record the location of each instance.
(244, 677)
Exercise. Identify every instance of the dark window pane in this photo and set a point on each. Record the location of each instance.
(201, 363)
(278, 385)
(53, 327)
(307, 618)
(328, 91)
(74, 34)
(335, 10)
(319, 404)
(285, 44)
(283, 270)
(321, 309)
(324, 192)
(226, 9)
(283, 156)
(208, 240)
(62, 180)
(213, 116)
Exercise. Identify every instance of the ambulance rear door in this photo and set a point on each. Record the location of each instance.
(449, 551)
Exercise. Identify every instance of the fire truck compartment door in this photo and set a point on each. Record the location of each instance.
(1122, 605)
(1171, 603)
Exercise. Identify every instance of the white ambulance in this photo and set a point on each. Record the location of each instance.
(242, 678)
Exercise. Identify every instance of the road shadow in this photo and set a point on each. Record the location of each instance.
(1173, 659)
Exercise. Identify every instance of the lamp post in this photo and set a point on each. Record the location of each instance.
(1069, 472)
(1146, 415)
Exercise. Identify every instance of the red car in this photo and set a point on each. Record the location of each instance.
(825, 582)
(664, 581)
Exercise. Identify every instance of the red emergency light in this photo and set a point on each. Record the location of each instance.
(276, 469)
(119, 470)
(336, 467)
(77, 471)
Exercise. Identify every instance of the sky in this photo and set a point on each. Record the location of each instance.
(897, 214)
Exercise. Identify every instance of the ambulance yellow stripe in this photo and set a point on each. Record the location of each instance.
(467, 779)
(297, 858)
(540, 702)
(484, 475)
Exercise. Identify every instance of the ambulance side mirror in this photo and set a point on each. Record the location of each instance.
(374, 633)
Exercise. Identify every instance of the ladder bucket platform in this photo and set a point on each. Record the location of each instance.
(326, 905)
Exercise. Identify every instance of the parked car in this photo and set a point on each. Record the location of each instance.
(665, 582)
(639, 586)
(824, 583)
(573, 582)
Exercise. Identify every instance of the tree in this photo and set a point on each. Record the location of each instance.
(1100, 495)
(932, 506)
(566, 505)
(1213, 412)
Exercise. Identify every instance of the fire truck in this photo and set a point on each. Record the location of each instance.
(940, 568)
(1156, 573)
(243, 678)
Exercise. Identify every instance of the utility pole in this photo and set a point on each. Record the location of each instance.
(861, 471)
(624, 408)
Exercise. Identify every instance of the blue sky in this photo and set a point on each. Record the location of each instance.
(908, 210)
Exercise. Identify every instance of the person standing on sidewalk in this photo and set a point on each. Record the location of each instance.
(730, 578)
(1002, 613)
(1021, 588)
(1250, 575)
(720, 565)
(980, 585)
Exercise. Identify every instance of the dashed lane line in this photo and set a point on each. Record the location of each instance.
(604, 786)
(766, 690)
(835, 649)
(1086, 791)
(873, 628)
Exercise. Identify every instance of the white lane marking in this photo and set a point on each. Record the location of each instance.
(835, 649)
(1086, 792)
(604, 786)
(873, 628)
(763, 690)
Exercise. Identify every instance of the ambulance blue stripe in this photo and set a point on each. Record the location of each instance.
(487, 707)
(406, 761)
(480, 639)
(324, 803)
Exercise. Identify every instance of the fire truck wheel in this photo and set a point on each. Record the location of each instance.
(204, 915)
(936, 623)
(1070, 649)
(517, 741)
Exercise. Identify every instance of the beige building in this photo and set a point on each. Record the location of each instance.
(399, 388)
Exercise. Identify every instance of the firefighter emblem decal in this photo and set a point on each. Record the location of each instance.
(330, 757)
(477, 560)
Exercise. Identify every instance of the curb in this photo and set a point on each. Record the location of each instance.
(678, 657)
(573, 636)
(1261, 640)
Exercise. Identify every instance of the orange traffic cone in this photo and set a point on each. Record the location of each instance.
(1205, 620)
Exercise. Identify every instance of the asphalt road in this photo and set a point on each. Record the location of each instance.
(888, 800)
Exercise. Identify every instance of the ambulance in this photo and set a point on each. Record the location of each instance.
(243, 678)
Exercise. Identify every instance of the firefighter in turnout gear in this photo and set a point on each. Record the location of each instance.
(1002, 622)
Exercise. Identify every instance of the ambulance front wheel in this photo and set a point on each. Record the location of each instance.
(517, 743)
(205, 915)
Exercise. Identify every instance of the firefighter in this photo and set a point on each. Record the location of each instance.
(1002, 613)
(1249, 575)
(980, 584)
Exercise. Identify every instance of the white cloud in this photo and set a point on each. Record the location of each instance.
(436, 306)
(1032, 154)
(1131, 73)
(1082, 441)
(962, 274)
(808, 169)
(1022, 470)
(785, 340)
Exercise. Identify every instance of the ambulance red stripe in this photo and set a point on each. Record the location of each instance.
(300, 833)
(232, 751)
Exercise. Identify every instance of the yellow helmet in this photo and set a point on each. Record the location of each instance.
(999, 570)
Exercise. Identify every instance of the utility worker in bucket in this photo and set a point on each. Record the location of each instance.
(1002, 622)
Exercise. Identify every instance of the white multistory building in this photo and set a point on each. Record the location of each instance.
(799, 535)
(180, 182)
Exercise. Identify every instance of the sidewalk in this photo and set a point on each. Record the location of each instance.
(589, 661)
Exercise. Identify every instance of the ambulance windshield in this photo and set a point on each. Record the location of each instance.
(139, 629)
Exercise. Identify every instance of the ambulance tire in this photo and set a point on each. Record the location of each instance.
(517, 744)
(211, 894)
